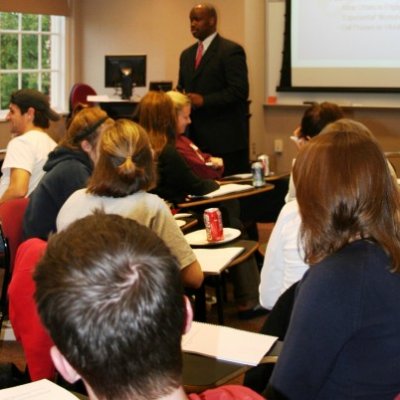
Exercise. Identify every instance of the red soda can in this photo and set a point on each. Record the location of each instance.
(213, 224)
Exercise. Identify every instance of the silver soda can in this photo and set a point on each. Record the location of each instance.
(264, 160)
(258, 174)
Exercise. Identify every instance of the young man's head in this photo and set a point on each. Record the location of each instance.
(110, 293)
(30, 109)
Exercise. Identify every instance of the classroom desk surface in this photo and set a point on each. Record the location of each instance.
(190, 222)
(230, 196)
(247, 178)
(202, 372)
(200, 309)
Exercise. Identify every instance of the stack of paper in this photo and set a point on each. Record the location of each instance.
(213, 261)
(39, 390)
(226, 343)
(226, 189)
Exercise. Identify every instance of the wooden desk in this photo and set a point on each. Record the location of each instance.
(190, 223)
(202, 372)
(217, 280)
(114, 107)
(270, 178)
(230, 196)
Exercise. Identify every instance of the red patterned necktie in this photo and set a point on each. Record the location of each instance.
(199, 54)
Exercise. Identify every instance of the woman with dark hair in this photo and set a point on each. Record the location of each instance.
(343, 337)
(123, 174)
(67, 168)
(315, 118)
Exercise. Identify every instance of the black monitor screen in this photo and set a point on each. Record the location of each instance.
(115, 66)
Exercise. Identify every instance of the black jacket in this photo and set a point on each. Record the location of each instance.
(176, 179)
(221, 125)
(66, 171)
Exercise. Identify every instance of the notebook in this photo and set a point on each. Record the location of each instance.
(213, 261)
(228, 344)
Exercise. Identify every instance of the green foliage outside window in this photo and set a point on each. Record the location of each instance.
(25, 54)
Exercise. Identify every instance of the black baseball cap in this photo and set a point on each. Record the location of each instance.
(25, 98)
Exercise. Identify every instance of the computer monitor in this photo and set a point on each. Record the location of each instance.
(163, 86)
(116, 67)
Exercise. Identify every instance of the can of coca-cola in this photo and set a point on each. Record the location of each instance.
(213, 224)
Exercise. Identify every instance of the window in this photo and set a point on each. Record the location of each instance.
(32, 55)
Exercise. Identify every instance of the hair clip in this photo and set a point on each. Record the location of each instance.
(84, 133)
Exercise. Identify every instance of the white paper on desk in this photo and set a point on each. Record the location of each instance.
(238, 176)
(39, 390)
(225, 343)
(228, 188)
(213, 261)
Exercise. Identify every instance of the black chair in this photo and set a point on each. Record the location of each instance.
(6, 265)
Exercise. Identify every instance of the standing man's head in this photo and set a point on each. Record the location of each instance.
(30, 109)
(203, 20)
(110, 293)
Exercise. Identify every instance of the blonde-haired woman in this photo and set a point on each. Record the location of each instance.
(203, 164)
(124, 172)
(68, 168)
(176, 179)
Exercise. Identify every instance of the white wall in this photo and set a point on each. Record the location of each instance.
(161, 30)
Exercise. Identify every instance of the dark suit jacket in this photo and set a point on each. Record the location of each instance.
(221, 125)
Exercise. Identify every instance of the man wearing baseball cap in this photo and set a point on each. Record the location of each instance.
(29, 115)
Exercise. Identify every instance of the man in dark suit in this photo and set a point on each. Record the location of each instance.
(216, 82)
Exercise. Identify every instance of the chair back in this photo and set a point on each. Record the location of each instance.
(79, 93)
(24, 317)
(11, 216)
(5, 264)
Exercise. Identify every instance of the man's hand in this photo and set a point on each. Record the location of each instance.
(196, 99)
(217, 162)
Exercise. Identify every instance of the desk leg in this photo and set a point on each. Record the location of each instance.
(220, 300)
(200, 311)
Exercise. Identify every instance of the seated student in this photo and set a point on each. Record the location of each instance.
(343, 337)
(175, 177)
(177, 180)
(284, 258)
(203, 164)
(117, 312)
(27, 151)
(67, 169)
(315, 118)
(124, 171)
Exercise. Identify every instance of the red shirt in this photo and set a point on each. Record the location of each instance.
(227, 392)
(196, 159)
